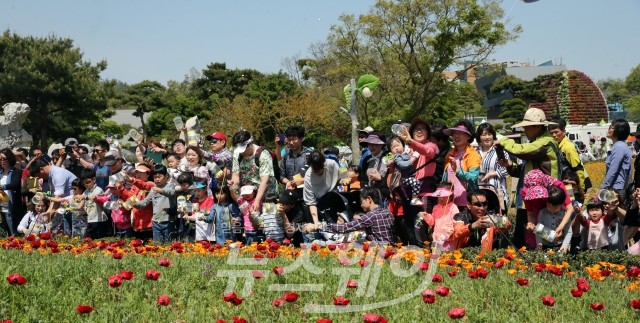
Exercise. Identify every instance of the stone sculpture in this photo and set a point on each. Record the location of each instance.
(12, 135)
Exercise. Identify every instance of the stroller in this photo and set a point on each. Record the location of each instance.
(333, 205)
(495, 239)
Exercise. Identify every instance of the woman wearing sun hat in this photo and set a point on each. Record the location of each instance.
(462, 163)
(541, 152)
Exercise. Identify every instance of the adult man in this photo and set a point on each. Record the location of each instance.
(220, 158)
(294, 163)
(595, 151)
(246, 171)
(100, 148)
(377, 222)
(72, 161)
(179, 147)
(471, 224)
(113, 162)
(603, 148)
(569, 150)
(538, 153)
(59, 178)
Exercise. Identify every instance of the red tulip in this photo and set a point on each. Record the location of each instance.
(229, 297)
(126, 275)
(635, 304)
(429, 299)
(450, 262)
(605, 272)
(482, 273)
(352, 283)
(442, 291)
(164, 262)
(508, 256)
(365, 247)
(344, 261)
(456, 313)
(473, 275)
(583, 284)
(374, 318)
(164, 300)
(522, 281)
(16, 279)
(597, 306)
(424, 266)
(340, 301)
(428, 292)
(548, 300)
(499, 264)
(555, 270)
(237, 319)
(45, 235)
(633, 272)
(363, 263)
(278, 271)
(136, 243)
(84, 309)
(576, 292)
(8, 320)
(118, 255)
(452, 273)
(324, 320)
(257, 274)
(436, 278)
(331, 247)
(115, 281)
(290, 297)
(152, 274)
(30, 237)
(286, 242)
(278, 303)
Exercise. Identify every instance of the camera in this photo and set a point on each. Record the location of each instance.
(281, 139)
(68, 149)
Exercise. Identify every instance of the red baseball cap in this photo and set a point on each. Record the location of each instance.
(216, 135)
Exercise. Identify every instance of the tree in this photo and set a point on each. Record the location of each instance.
(218, 83)
(408, 44)
(632, 82)
(49, 74)
(143, 97)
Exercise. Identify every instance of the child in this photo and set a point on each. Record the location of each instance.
(74, 221)
(549, 219)
(36, 221)
(595, 233)
(404, 162)
(163, 199)
(119, 214)
(225, 215)
(201, 205)
(351, 182)
(97, 225)
(252, 225)
(273, 222)
(136, 189)
(184, 196)
(441, 218)
(173, 162)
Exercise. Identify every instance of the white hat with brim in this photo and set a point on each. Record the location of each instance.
(241, 147)
(247, 189)
(533, 117)
(441, 192)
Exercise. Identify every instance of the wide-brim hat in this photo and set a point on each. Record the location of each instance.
(441, 192)
(366, 130)
(533, 117)
(534, 193)
(247, 189)
(461, 128)
(374, 140)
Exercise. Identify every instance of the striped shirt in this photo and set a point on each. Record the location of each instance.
(273, 226)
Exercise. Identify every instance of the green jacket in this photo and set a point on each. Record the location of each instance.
(537, 154)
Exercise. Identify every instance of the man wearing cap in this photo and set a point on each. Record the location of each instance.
(220, 158)
(539, 153)
(245, 170)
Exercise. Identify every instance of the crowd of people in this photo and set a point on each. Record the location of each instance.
(422, 182)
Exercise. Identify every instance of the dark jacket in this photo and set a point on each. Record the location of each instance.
(13, 188)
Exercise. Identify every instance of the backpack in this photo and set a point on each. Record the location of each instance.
(274, 160)
(564, 167)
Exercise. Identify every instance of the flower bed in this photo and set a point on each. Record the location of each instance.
(73, 280)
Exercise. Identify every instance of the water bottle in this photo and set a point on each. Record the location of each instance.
(135, 135)
(544, 232)
(398, 129)
(177, 121)
(419, 221)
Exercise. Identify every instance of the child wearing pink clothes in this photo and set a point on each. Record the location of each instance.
(441, 218)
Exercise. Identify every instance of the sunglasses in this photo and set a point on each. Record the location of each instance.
(3, 159)
(480, 203)
(98, 150)
(214, 141)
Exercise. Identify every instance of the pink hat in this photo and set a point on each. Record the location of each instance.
(441, 192)
(460, 127)
(535, 185)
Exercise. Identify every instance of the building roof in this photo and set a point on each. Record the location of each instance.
(528, 73)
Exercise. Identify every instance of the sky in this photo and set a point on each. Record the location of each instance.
(163, 40)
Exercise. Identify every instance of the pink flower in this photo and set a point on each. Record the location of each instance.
(278, 303)
(278, 271)
(352, 283)
(257, 274)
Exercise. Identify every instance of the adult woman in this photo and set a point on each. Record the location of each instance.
(490, 171)
(146, 151)
(462, 164)
(11, 206)
(618, 159)
(375, 169)
(195, 164)
(418, 140)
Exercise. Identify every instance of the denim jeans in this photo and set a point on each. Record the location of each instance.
(253, 236)
(162, 231)
(8, 223)
(124, 233)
